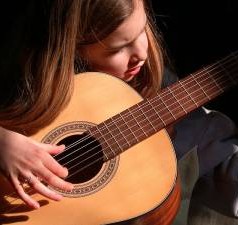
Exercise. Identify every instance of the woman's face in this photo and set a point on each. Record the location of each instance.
(124, 51)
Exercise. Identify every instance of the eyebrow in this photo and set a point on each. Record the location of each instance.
(110, 48)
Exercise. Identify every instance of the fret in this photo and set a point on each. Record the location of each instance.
(110, 138)
(162, 111)
(219, 89)
(146, 127)
(140, 119)
(214, 77)
(132, 123)
(147, 124)
(125, 130)
(137, 129)
(200, 86)
(214, 92)
(168, 99)
(215, 81)
(150, 115)
(166, 106)
(153, 116)
(188, 94)
(122, 129)
(107, 148)
(177, 107)
(194, 89)
(211, 89)
(228, 74)
(114, 129)
(172, 92)
(107, 151)
(131, 138)
(222, 81)
(105, 132)
(184, 99)
(156, 114)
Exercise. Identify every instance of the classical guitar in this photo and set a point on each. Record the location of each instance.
(120, 157)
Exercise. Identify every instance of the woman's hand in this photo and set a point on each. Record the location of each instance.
(22, 158)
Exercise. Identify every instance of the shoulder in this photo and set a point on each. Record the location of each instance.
(169, 77)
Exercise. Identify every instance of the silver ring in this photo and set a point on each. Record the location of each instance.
(25, 180)
(28, 180)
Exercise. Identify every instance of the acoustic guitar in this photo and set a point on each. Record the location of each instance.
(119, 156)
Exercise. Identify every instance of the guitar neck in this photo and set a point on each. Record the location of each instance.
(151, 115)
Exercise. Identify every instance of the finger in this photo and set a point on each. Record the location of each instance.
(53, 180)
(50, 163)
(44, 190)
(23, 195)
(52, 149)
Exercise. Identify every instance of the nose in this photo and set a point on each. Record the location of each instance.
(139, 49)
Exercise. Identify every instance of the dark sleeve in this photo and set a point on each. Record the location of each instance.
(169, 78)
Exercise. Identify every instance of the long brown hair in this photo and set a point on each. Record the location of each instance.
(49, 58)
(46, 58)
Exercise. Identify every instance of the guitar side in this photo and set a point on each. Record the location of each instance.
(144, 182)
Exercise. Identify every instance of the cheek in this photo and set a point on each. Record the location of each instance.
(116, 65)
(146, 42)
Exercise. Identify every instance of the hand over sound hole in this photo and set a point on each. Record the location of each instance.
(83, 157)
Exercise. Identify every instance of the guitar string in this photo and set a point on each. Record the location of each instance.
(213, 65)
(28, 193)
(229, 57)
(191, 78)
(121, 131)
(119, 126)
(205, 69)
(98, 153)
(189, 100)
(92, 162)
(72, 145)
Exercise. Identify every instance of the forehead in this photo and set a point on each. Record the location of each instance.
(131, 27)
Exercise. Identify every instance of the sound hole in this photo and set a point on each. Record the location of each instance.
(83, 157)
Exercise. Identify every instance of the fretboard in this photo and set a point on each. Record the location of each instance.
(144, 119)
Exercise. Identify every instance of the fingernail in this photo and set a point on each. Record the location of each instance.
(66, 172)
(36, 205)
(69, 187)
(58, 197)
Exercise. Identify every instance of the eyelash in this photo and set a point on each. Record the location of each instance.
(112, 52)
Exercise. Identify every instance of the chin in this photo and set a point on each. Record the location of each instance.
(128, 79)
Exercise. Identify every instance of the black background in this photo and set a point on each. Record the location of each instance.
(199, 32)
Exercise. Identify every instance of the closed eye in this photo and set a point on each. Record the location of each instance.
(114, 50)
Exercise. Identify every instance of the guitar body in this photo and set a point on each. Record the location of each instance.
(139, 186)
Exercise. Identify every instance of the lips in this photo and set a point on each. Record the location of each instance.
(135, 70)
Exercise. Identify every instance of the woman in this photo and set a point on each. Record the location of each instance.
(74, 34)
(63, 38)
